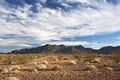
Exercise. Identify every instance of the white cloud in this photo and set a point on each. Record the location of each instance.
(13, 42)
(118, 38)
(82, 1)
(98, 45)
(51, 24)
(68, 43)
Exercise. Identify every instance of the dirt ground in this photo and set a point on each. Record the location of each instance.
(107, 69)
(64, 75)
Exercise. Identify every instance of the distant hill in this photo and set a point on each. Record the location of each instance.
(65, 49)
(0, 52)
(108, 49)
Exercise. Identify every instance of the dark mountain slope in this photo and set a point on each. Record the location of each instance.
(55, 49)
(108, 49)
(66, 49)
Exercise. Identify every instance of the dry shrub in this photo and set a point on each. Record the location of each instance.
(40, 55)
(96, 60)
(112, 64)
(5, 70)
(116, 57)
(90, 56)
(79, 57)
(45, 62)
(57, 67)
(22, 59)
(14, 67)
(41, 67)
(109, 68)
(54, 58)
(18, 58)
(91, 68)
(72, 62)
(9, 58)
(12, 78)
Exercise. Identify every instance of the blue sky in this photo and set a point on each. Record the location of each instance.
(32, 23)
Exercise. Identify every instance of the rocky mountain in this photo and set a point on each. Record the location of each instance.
(66, 49)
(55, 49)
(108, 49)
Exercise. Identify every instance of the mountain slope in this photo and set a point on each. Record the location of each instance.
(54, 49)
(66, 49)
(108, 49)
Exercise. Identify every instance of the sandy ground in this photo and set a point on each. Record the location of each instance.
(66, 72)
(64, 75)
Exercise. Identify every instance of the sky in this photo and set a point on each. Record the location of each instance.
(33, 23)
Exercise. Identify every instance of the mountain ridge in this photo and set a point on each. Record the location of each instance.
(65, 49)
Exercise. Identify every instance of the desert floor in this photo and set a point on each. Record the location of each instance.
(59, 67)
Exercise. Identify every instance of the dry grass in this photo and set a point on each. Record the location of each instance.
(79, 57)
(116, 57)
(90, 56)
(19, 58)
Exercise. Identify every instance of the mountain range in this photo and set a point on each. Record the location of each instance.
(65, 49)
